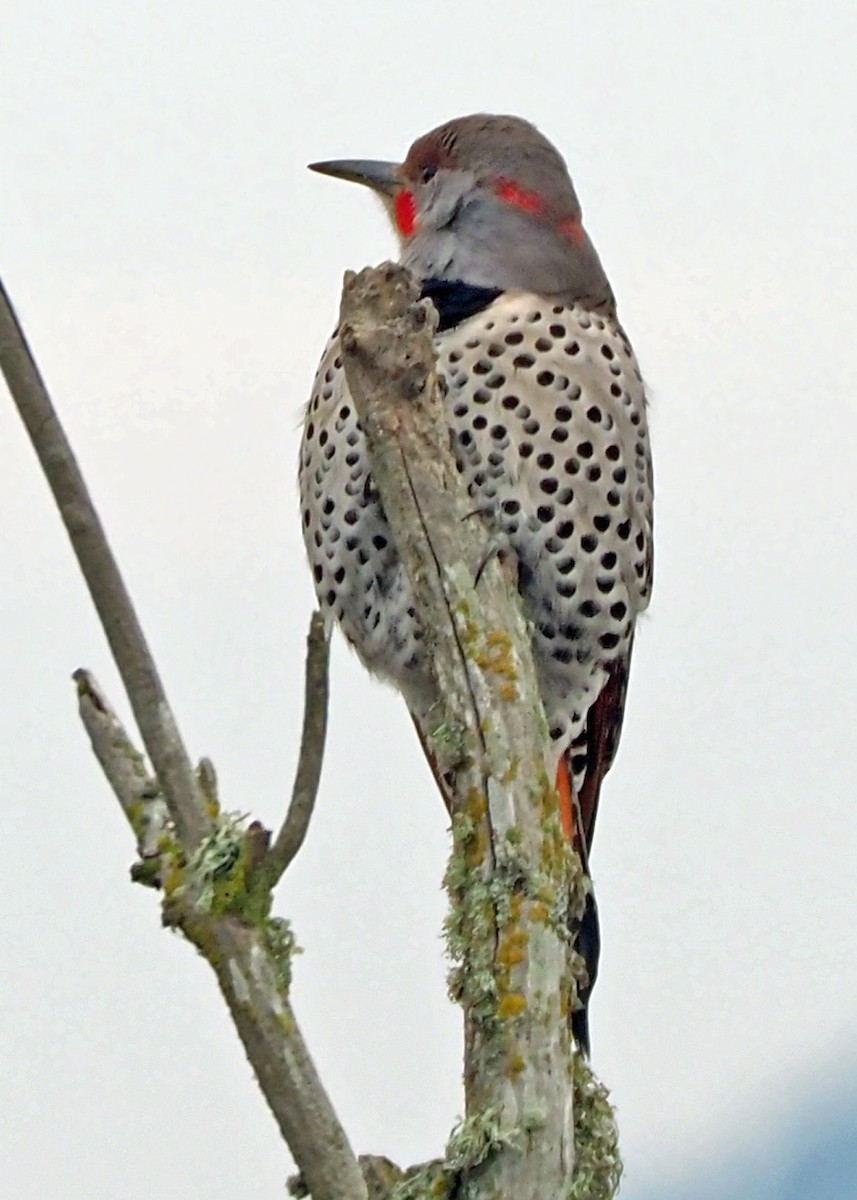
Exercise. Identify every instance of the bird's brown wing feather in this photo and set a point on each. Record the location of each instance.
(603, 728)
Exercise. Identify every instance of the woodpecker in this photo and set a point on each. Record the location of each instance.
(547, 414)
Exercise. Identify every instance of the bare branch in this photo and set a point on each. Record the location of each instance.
(512, 880)
(253, 973)
(124, 767)
(106, 586)
(291, 836)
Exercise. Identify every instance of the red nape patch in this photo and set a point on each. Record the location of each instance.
(572, 229)
(510, 193)
(406, 213)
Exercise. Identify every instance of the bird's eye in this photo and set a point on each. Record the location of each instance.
(428, 173)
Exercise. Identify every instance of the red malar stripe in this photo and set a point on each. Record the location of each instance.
(406, 213)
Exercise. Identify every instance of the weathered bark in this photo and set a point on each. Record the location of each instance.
(511, 878)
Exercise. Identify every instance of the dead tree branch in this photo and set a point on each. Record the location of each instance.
(512, 881)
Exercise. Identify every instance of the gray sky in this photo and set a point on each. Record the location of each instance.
(178, 272)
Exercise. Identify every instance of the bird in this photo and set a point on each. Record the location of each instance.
(547, 411)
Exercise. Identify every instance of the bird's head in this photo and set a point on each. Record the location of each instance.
(487, 201)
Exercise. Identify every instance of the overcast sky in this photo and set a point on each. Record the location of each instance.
(178, 272)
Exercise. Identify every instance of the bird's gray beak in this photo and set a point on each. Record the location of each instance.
(381, 177)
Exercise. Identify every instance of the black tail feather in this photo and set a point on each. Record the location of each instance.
(587, 941)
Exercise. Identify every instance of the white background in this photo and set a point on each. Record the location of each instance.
(178, 271)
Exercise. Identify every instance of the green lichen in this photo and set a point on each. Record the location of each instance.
(431, 1181)
(471, 1145)
(447, 742)
(219, 877)
(514, 835)
(147, 872)
(475, 1138)
(597, 1164)
(280, 943)
(487, 929)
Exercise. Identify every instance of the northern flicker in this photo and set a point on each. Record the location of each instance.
(547, 412)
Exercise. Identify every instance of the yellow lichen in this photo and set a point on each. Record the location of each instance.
(497, 655)
(476, 848)
(564, 1001)
(512, 947)
(515, 1064)
(511, 1005)
(475, 803)
(511, 772)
